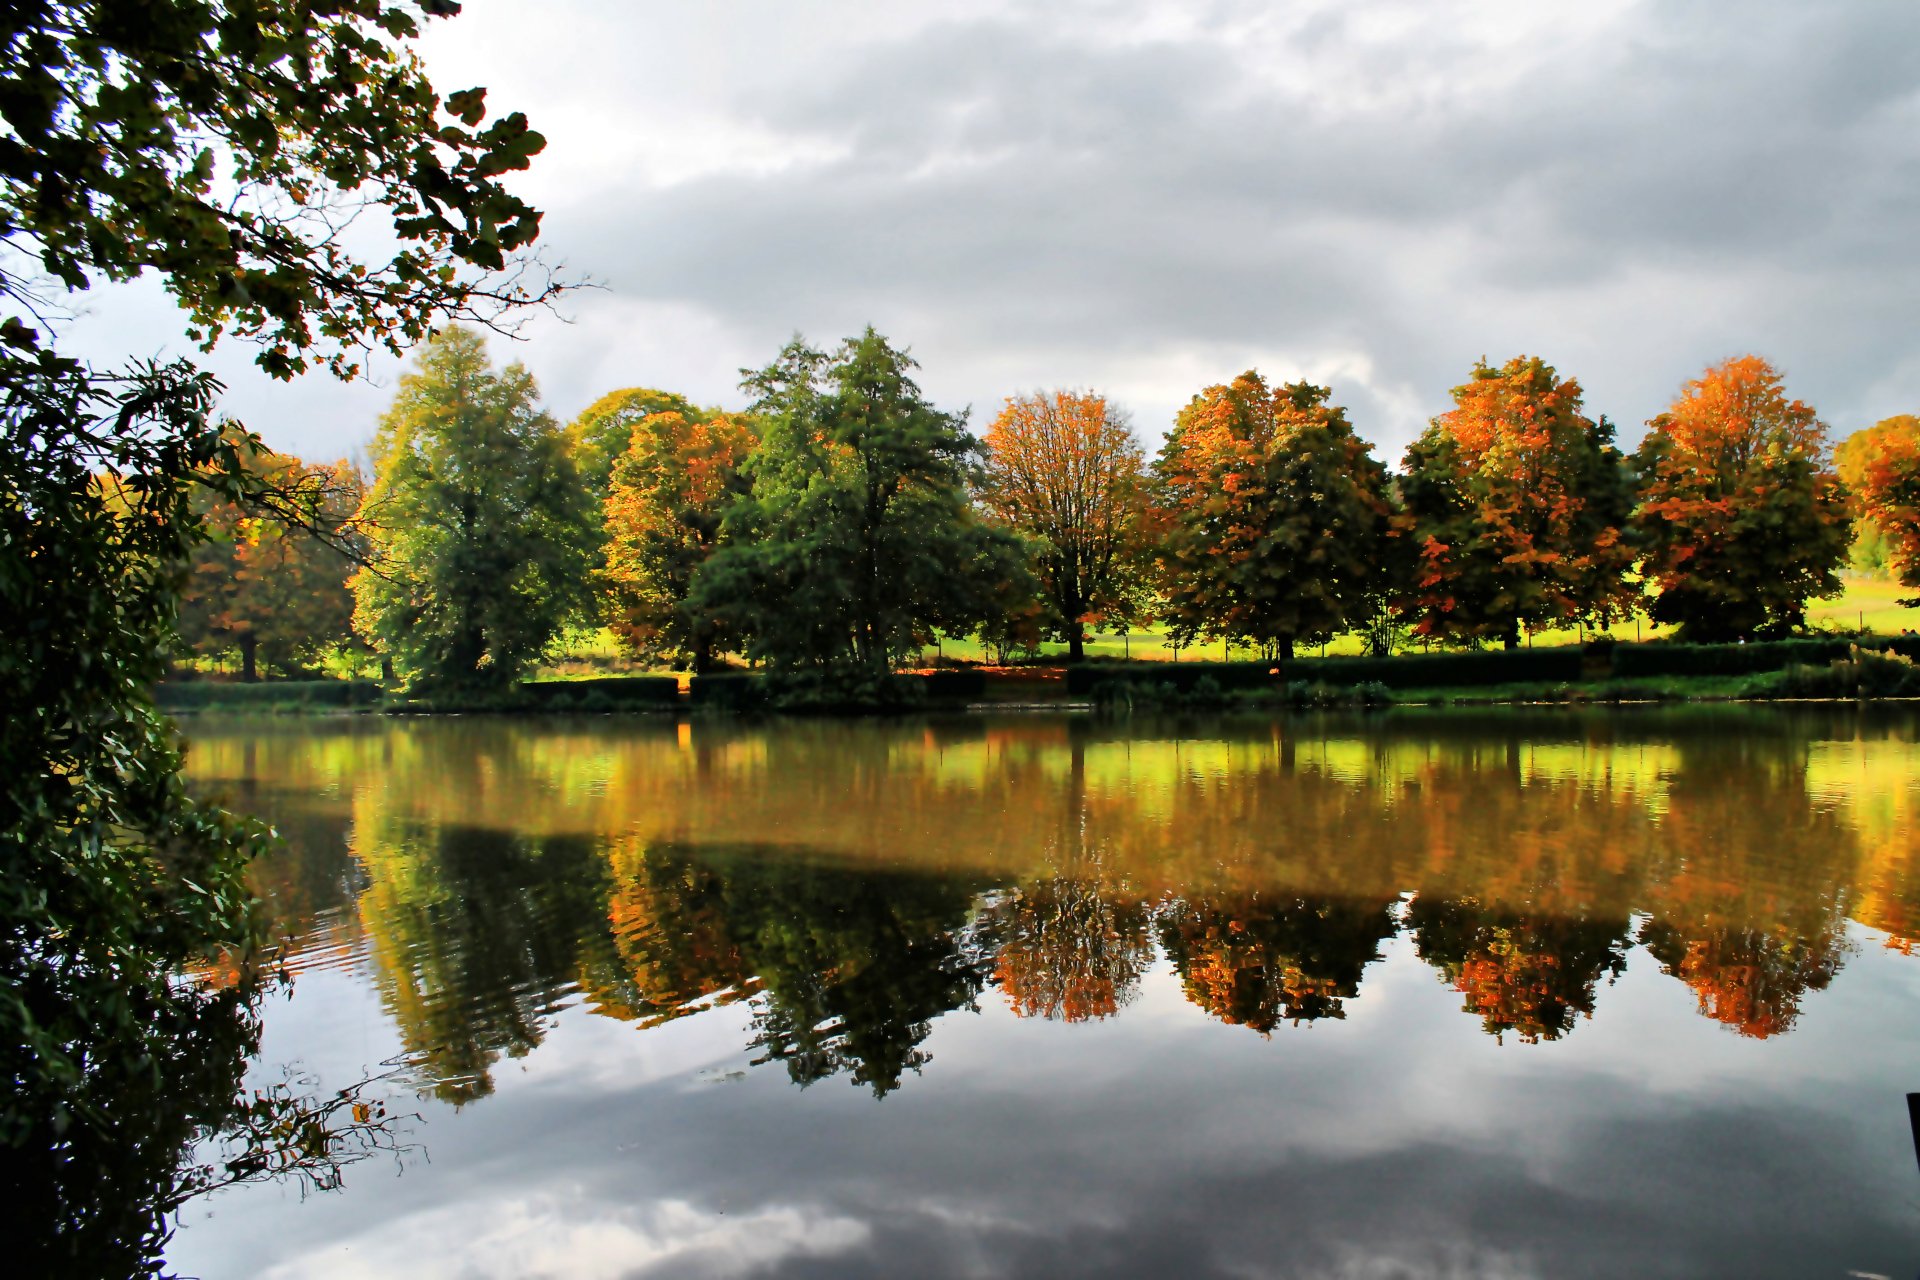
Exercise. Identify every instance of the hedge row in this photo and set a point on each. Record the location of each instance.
(1558, 665)
(1408, 671)
(1637, 660)
(604, 693)
(747, 690)
(196, 695)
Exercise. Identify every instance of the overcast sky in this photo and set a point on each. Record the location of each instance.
(1149, 198)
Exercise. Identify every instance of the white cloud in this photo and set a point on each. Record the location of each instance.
(561, 1235)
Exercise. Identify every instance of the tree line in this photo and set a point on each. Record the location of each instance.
(842, 521)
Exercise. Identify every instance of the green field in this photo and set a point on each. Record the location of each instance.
(1865, 602)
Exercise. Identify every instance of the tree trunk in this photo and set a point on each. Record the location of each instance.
(1284, 647)
(1512, 639)
(249, 649)
(1077, 641)
(386, 669)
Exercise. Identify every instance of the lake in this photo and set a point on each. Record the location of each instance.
(1411, 995)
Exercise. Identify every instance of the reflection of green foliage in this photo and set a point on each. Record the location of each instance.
(853, 966)
(1257, 962)
(477, 933)
(1525, 974)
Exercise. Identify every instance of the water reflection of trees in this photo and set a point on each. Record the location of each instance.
(853, 882)
(477, 935)
(1068, 951)
(1534, 976)
(1257, 962)
(846, 969)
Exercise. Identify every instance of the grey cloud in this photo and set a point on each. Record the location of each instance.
(1687, 187)
(1120, 194)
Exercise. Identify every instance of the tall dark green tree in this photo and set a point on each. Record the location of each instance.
(1274, 518)
(221, 147)
(858, 539)
(482, 538)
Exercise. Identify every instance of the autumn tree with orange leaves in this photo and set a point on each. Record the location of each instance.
(667, 497)
(1881, 468)
(1741, 518)
(1518, 505)
(1274, 518)
(1064, 469)
(271, 581)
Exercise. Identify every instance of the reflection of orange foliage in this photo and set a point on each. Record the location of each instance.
(1255, 963)
(671, 935)
(1748, 979)
(1069, 953)
(1510, 988)
(1531, 975)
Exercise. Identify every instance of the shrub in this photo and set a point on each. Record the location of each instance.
(958, 683)
(843, 690)
(1862, 673)
(729, 691)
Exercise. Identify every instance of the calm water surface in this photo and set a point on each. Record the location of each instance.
(1418, 995)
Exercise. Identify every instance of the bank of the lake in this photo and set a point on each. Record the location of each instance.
(1602, 673)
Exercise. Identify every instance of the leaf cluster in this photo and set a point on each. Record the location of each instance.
(230, 147)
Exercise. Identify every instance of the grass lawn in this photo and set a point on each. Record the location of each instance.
(1864, 601)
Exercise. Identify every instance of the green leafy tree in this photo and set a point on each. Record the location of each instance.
(670, 491)
(1518, 505)
(481, 535)
(224, 148)
(858, 539)
(1741, 518)
(1274, 517)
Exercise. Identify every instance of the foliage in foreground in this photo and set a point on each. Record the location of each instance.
(224, 148)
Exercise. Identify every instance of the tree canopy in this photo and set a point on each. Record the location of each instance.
(1741, 518)
(1880, 467)
(481, 535)
(603, 432)
(1517, 505)
(1274, 517)
(670, 493)
(858, 538)
(1064, 469)
(272, 588)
